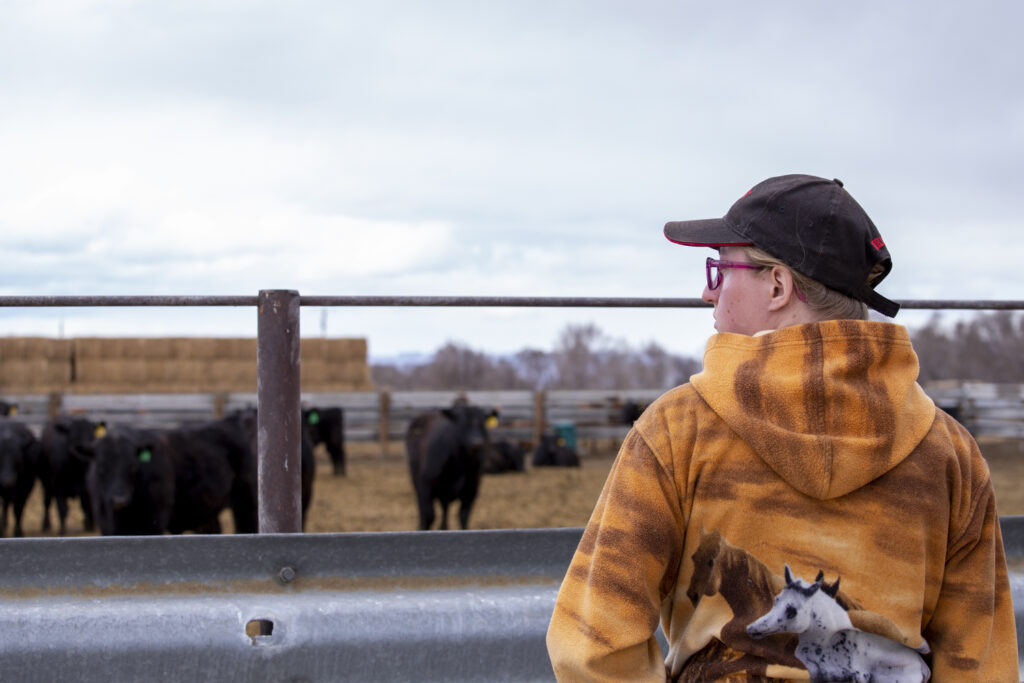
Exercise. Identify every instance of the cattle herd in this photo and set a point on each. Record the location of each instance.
(139, 481)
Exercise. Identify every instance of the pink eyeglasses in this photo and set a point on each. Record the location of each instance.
(714, 269)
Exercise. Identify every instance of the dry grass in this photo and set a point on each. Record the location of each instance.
(377, 494)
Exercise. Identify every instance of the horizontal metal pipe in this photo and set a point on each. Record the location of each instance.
(450, 301)
(117, 300)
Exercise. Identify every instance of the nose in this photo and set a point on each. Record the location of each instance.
(710, 295)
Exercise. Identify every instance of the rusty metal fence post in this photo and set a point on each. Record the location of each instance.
(278, 395)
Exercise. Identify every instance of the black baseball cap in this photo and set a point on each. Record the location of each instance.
(811, 224)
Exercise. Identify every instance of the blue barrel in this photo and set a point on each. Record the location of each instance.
(566, 433)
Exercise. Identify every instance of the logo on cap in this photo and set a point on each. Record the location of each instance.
(877, 243)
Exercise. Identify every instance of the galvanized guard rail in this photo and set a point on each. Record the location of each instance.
(440, 606)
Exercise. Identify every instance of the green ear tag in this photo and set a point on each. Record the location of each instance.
(145, 455)
(314, 418)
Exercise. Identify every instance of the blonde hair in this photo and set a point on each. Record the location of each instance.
(824, 302)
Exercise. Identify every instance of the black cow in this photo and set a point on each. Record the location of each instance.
(131, 481)
(149, 482)
(327, 426)
(445, 450)
(8, 409)
(61, 472)
(552, 452)
(213, 471)
(19, 458)
(245, 422)
(631, 412)
(504, 456)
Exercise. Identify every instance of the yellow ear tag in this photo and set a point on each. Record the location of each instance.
(491, 422)
(99, 432)
(561, 441)
(13, 410)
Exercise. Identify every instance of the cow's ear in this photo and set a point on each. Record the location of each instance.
(491, 421)
(313, 417)
(789, 576)
(99, 430)
(449, 413)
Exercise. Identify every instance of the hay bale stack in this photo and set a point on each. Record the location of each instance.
(328, 364)
(168, 365)
(34, 365)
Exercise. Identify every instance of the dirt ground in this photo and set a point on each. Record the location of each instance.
(377, 495)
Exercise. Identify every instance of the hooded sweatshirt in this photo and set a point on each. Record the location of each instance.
(813, 449)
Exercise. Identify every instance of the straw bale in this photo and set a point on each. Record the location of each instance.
(155, 348)
(197, 349)
(243, 349)
(87, 347)
(28, 348)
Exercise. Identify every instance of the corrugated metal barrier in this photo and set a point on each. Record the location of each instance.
(424, 606)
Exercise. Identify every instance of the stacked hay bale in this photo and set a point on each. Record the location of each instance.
(34, 365)
(168, 365)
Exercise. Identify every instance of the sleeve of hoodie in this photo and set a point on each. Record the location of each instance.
(972, 630)
(608, 607)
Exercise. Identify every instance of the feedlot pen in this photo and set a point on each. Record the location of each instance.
(281, 605)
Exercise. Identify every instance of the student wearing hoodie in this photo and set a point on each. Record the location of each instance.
(804, 443)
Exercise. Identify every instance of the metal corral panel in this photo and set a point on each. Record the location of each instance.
(425, 606)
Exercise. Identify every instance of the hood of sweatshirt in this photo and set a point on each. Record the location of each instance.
(829, 406)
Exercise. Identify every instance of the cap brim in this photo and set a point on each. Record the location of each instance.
(712, 232)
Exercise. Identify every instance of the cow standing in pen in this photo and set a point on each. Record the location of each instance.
(446, 449)
(245, 422)
(19, 459)
(61, 472)
(327, 426)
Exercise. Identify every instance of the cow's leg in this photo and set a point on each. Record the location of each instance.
(426, 505)
(18, 509)
(444, 515)
(62, 514)
(464, 508)
(86, 501)
(47, 497)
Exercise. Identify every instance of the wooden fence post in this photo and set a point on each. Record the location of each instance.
(539, 407)
(384, 427)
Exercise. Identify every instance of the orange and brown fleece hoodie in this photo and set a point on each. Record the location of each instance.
(811, 446)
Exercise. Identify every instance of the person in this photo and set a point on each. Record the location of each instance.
(803, 448)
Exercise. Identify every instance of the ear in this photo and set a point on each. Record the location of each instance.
(789, 576)
(783, 290)
(820, 577)
(832, 590)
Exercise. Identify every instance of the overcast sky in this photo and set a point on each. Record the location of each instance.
(514, 148)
